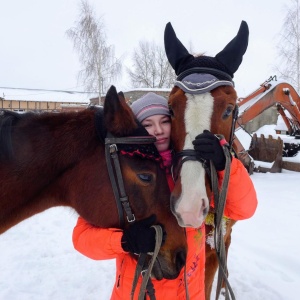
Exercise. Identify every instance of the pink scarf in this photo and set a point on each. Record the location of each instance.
(167, 158)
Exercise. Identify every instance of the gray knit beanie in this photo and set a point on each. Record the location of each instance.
(149, 105)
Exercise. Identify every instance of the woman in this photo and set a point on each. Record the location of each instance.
(152, 111)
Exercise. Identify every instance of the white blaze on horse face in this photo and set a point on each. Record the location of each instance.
(193, 204)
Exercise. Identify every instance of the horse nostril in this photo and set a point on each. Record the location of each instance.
(180, 259)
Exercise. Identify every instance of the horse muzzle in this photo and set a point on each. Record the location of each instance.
(163, 269)
(192, 216)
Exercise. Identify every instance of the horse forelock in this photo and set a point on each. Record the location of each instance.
(146, 152)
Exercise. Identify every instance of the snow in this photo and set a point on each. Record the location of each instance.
(41, 95)
(38, 261)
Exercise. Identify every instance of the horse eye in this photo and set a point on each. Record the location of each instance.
(227, 112)
(145, 177)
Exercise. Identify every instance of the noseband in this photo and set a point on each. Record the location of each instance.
(190, 154)
(185, 155)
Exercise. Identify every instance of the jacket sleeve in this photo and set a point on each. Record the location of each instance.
(241, 199)
(97, 243)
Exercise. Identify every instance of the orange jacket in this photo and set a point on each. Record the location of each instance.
(241, 201)
(99, 244)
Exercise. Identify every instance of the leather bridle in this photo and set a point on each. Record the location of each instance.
(115, 173)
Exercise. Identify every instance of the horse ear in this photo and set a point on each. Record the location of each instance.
(232, 55)
(121, 95)
(176, 53)
(118, 116)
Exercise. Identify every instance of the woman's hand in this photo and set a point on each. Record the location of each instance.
(208, 147)
(140, 237)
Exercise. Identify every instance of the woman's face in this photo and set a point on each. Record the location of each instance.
(160, 127)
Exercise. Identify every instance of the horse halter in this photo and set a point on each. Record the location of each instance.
(115, 174)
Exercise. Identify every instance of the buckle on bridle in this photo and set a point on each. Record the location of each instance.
(143, 273)
(131, 220)
(113, 148)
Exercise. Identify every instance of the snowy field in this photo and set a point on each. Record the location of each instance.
(38, 261)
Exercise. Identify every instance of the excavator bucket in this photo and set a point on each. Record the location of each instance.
(267, 150)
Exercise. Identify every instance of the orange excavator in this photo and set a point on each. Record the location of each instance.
(270, 93)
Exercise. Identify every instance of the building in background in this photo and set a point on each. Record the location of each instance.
(134, 94)
(21, 100)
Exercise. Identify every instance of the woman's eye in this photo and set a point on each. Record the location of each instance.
(145, 177)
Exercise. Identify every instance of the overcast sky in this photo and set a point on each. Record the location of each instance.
(35, 52)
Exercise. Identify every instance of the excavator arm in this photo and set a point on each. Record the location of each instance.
(281, 94)
(271, 93)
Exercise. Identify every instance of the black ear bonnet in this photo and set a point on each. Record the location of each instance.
(222, 66)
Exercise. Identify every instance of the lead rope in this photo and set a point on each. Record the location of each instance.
(220, 200)
(187, 295)
(146, 282)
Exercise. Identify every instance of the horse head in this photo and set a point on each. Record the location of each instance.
(145, 182)
(203, 98)
(59, 159)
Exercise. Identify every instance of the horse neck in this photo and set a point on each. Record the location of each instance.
(47, 148)
(62, 140)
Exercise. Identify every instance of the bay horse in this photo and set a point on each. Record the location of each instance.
(203, 98)
(58, 159)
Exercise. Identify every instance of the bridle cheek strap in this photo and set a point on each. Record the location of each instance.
(115, 173)
(116, 179)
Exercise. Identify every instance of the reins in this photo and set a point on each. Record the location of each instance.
(123, 206)
(220, 201)
(147, 285)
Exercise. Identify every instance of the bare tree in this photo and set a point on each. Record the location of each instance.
(151, 68)
(100, 66)
(289, 46)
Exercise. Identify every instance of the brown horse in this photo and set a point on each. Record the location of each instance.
(58, 159)
(203, 99)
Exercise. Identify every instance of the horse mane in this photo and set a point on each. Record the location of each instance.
(10, 119)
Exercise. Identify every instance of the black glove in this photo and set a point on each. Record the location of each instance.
(139, 237)
(207, 146)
